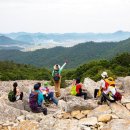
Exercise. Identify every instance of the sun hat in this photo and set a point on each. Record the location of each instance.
(104, 74)
(55, 66)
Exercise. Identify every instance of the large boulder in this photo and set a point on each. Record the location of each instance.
(72, 103)
(119, 82)
(90, 85)
(126, 85)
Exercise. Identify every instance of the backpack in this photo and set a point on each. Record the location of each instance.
(33, 101)
(106, 84)
(56, 75)
(118, 96)
(11, 96)
(99, 92)
(73, 90)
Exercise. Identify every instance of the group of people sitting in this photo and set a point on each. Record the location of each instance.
(41, 93)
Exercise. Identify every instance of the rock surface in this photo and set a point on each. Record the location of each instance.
(72, 113)
(90, 85)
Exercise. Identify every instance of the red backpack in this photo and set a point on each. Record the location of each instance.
(117, 96)
(106, 84)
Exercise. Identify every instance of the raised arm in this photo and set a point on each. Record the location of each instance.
(52, 73)
(62, 67)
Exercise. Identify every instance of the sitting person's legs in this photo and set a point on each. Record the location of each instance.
(82, 94)
(51, 96)
(21, 95)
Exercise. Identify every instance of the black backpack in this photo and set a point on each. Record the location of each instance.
(11, 96)
(56, 75)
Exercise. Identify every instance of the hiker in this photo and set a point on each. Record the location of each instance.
(111, 93)
(97, 92)
(56, 74)
(103, 85)
(79, 89)
(17, 93)
(48, 95)
(36, 100)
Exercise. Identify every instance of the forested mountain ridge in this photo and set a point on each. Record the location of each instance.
(116, 67)
(75, 55)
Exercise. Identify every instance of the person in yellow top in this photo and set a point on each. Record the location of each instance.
(56, 74)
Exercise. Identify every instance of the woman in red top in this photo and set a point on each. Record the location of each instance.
(79, 89)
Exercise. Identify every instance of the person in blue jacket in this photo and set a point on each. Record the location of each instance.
(36, 99)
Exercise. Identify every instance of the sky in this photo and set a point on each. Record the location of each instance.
(64, 16)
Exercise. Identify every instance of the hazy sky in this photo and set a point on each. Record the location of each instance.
(62, 16)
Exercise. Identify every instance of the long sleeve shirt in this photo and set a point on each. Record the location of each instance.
(40, 97)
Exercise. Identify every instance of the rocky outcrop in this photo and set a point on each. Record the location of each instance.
(72, 113)
(126, 85)
(72, 103)
(90, 85)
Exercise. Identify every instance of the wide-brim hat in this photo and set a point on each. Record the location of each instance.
(104, 74)
(55, 67)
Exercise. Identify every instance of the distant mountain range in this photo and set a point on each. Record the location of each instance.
(75, 55)
(32, 41)
(8, 43)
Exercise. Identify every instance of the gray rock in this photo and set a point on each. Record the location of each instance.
(17, 104)
(76, 103)
(103, 109)
(8, 113)
(117, 124)
(91, 121)
(90, 85)
(120, 110)
(21, 118)
(126, 85)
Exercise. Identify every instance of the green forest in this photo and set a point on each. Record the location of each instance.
(76, 55)
(116, 67)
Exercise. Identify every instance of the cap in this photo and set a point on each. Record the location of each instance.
(55, 66)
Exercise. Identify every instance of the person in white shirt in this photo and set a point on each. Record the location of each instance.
(109, 93)
(102, 85)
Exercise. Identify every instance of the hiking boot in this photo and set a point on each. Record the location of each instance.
(45, 111)
(99, 103)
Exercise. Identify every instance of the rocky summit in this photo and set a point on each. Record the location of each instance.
(72, 113)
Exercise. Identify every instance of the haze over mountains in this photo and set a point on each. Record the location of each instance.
(32, 41)
(76, 55)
